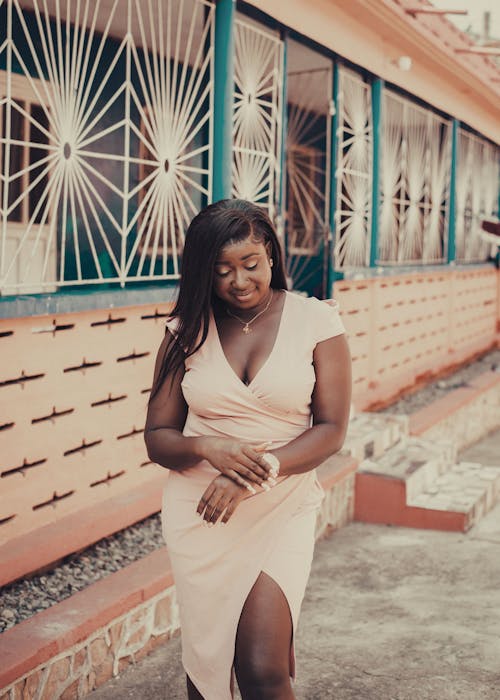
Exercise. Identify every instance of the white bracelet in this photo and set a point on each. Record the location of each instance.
(273, 462)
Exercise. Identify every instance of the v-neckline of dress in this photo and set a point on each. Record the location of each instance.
(266, 361)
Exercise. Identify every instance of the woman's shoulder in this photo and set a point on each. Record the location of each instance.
(318, 318)
(311, 304)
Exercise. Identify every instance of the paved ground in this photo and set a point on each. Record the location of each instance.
(390, 614)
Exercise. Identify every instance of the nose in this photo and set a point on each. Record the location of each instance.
(240, 279)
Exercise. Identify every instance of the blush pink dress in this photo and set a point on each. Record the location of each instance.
(273, 532)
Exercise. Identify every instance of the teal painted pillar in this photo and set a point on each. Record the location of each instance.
(282, 198)
(225, 11)
(284, 129)
(332, 274)
(377, 101)
(452, 213)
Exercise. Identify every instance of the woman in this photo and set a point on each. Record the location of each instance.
(251, 392)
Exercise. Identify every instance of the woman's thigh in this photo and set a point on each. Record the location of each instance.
(263, 642)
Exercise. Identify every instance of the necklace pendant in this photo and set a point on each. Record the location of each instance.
(246, 329)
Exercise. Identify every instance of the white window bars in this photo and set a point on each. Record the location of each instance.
(258, 78)
(111, 133)
(478, 172)
(354, 171)
(415, 172)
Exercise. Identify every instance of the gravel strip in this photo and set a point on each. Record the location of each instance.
(414, 401)
(28, 596)
(25, 597)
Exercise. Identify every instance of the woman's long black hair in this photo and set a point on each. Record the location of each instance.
(226, 221)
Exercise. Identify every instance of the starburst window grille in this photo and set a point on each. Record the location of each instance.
(257, 114)
(354, 171)
(478, 173)
(119, 138)
(415, 174)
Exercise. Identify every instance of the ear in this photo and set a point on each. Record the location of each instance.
(269, 249)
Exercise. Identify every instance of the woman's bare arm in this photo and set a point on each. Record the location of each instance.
(331, 402)
(167, 411)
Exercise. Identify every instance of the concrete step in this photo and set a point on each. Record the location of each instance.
(416, 462)
(468, 488)
(371, 434)
(391, 489)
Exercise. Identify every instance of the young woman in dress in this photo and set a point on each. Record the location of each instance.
(251, 392)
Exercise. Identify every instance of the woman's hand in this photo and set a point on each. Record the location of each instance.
(239, 461)
(221, 497)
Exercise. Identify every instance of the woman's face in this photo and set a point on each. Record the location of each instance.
(243, 274)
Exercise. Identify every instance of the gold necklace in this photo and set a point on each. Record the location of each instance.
(246, 324)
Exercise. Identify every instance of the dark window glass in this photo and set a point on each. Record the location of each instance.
(37, 136)
(15, 162)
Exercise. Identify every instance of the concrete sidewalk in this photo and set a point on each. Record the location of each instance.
(390, 614)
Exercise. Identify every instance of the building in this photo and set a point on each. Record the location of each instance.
(362, 128)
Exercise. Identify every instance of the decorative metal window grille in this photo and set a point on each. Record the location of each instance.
(106, 152)
(415, 173)
(354, 171)
(478, 173)
(257, 114)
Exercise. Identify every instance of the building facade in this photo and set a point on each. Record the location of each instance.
(363, 128)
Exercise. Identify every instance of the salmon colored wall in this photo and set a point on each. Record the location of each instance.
(74, 389)
(73, 394)
(375, 33)
(405, 328)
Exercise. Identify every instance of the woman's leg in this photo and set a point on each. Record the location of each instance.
(262, 659)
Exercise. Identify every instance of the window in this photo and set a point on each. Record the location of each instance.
(25, 154)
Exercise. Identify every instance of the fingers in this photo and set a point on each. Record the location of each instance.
(241, 482)
(255, 462)
(229, 511)
(205, 498)
(215, 506)
(251, 471)
(262, 447)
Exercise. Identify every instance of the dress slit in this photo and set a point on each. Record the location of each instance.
(291, 653)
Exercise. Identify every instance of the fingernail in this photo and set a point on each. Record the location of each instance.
(250, 488)
(266, 487)
(223, 523)
(272, 481)
(210, 524)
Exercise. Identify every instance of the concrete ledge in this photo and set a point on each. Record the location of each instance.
(382, 500)
(458, 416)
(90, 297)
(76, 645)
(52, 631)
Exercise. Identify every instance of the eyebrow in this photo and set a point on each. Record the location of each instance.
(245, 257)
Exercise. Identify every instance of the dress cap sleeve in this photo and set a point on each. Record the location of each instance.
(172, 324)
(326, 320)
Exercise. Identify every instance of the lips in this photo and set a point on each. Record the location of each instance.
(243, 295)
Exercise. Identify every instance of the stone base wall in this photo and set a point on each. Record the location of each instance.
(104, 654)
